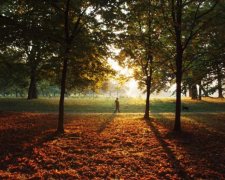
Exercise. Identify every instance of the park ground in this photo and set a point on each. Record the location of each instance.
(104, 145)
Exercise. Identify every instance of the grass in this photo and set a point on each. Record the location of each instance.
(208, 121)
(106, 105)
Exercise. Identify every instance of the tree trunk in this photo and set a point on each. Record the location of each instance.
(68, 40)
(16, 92)
(206, 94)
(179, 60)
(194, 92)
(185, 91)
(177, 20)
(60, 128)
(147, 104)
(32, 91)
(190, 90)
(177, 124)
(200, 91)
(148, 84)
(219, 80)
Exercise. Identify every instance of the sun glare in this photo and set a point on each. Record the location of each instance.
(120, 70)
(131, 85)
(132, 89)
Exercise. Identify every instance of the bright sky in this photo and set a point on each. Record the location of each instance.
(123, 71)
(132, 90)
(132, 85)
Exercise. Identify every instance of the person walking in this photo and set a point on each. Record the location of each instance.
(117, 103)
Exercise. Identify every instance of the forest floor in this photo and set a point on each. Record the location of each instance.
(112, 146)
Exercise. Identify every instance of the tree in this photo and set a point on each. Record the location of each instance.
(13, 76)
(73, 31)
(82, 23)
(207, 49)
(138, 41)
(216, 47)
(186, 19)
(22, 27)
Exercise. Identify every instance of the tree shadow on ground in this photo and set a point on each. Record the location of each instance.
(23, 132)
(172, 158)
(200, 140)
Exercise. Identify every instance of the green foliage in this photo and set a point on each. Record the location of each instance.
(13, 76)
(139, 34)
(36, 30)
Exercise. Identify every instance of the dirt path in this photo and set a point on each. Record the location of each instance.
(112, 147)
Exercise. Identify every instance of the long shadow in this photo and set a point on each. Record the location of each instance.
(203, 140)
(174, 161)
(20, 142)
(16, 150)
(106, 123)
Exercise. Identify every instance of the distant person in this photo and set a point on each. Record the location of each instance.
(117, 103)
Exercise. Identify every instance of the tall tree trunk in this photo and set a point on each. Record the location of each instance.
(68, 40)
(219, 81)
(177, 124)
(177, 20)
(32, 91)
(60, 128)
(200, 90)
(148, 67)
(147, 104)
(149, 72)
(34, 60)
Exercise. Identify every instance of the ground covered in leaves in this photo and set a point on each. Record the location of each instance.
(111, 146)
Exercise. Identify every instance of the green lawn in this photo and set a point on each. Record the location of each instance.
(106, 105)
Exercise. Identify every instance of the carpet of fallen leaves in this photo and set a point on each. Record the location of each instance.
(107, 146)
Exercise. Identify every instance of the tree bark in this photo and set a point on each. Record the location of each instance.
(177, 124)
(149, 64)
(185, 91)
(219, 81)
(200, 91)
(177, 20)
(149, 72)
(190, 90)
(194, 92)
(147, 104)
(60, 128)
(32, 91)
(68, 40)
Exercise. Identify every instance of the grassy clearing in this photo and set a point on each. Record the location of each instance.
(111, 146)
(207, 121)
(106, 105)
